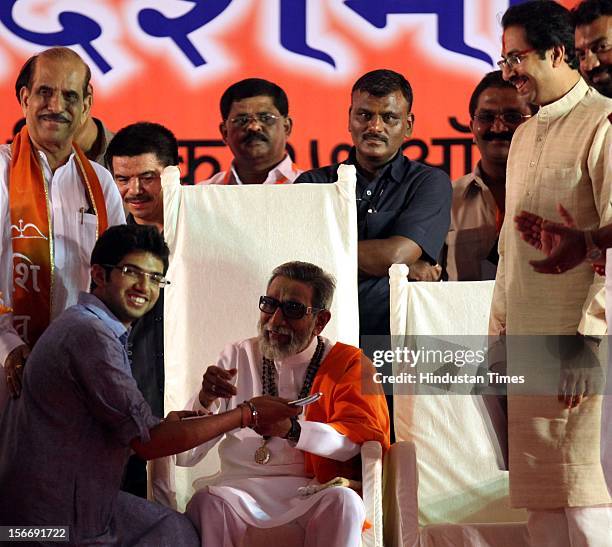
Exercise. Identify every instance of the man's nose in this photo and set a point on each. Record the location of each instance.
(277, 318)
(254, 124)
(589, 62)
(499, 126)
(376, 123)
(55, 102)
(134, 185)
(507, 72)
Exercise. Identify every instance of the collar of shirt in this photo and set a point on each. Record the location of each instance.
(468, 184)
(46, 168)
(97, 307)
(284, 172)
(299, 359)
(394, 169)
(564, 104)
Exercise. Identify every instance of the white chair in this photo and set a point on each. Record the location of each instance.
(443, 486)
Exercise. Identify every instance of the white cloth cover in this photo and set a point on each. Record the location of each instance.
(224, 242)
(458, 476)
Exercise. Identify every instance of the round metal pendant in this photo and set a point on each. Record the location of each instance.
(262, 455)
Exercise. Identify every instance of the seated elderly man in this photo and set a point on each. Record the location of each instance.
(262, 469)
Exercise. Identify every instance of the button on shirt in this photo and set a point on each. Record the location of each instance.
(64, 442)
(406, 199)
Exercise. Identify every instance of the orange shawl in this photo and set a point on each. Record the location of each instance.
(352, 404)
(31, 231)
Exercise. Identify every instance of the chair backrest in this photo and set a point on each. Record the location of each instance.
(458, 465)
(224, 242)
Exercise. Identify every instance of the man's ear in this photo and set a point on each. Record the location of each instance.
(24, 97)
(558, 55)
(288, 125)
(349, 117)
(98, 275)
(223, 131)
(409, 125)
(321, 321)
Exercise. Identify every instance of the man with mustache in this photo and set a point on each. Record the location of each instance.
(593, 35)
(477, 213)
(53, 202)
(261, 471)
(403, 207)
(92, 136)
(562, 155)
(256, 126)
(137, 155)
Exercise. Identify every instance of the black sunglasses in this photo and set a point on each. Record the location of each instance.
(291, 310)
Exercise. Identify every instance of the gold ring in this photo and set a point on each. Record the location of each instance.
(18, 366)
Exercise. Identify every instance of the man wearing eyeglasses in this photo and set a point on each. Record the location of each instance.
(262, 471)
(403, 207)
(563, 154)
(137, 155)
(64, 442)
(477, 214)
(256, 125)
(593, 20)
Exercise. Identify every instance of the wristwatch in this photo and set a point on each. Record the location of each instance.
(593, 252)
(294, 432)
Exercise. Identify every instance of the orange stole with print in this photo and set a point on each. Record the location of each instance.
(352, 404)
(31, 237)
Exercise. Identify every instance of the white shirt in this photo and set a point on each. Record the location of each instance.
(73, 237)
(247, 486)
(284, 173)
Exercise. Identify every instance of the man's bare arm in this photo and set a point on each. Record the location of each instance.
(375, 256)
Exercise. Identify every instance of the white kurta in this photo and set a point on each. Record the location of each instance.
(73, 237)
(265, 496)
(561, 155)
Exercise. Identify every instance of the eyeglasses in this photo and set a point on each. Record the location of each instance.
(134, 272)
(264, 118)
(509, 118)
(513, 60)
(596, 49)
(291, 310)
(145, 179)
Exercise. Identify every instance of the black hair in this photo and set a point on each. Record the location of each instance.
(382, 82)
(253, 87)
(547, 24)
(118, 241)
(143, 138)
(492, 79)
(322, 283)
(587, 11)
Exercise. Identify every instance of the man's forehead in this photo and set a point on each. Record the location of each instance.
(364, 99)
(290, 289)
(69, 73)
(256, 103)
(514, 39)
(598, 29)
(504, 97)
(143, 260)
(142, 162)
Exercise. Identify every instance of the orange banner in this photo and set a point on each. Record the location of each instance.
(170, 61)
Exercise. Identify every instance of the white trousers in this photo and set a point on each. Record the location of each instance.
(335, 521)
(571, 527)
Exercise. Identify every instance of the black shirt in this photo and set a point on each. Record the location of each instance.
(406, 199)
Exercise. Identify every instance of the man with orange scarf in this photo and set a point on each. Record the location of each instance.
(265, 470)
(54, 203)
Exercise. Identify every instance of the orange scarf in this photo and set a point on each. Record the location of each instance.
(31, 233)
(352, 404)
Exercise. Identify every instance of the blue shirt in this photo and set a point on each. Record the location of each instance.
(64, 442)
(406, 199)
